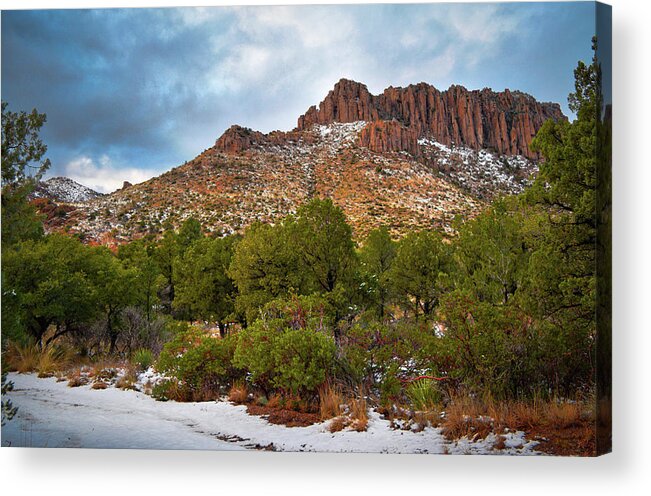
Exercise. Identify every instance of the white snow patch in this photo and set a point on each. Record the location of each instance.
(54, 415)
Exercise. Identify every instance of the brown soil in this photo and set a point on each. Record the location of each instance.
(288, 418)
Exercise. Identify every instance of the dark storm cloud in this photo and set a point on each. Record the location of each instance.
(132, 92)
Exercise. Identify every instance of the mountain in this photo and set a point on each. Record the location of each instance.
(411, 157)
(504, 122)
(64, 190)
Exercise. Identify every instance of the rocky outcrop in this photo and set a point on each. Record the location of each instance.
(237, 139)
(349, 101)
(503, 121)
(389, 136)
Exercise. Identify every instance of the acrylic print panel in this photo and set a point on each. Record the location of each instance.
(340, 228)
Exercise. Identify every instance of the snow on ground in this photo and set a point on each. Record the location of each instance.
(50, 414)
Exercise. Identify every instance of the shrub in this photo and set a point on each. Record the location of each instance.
(371, 350)
(295, 361)
(390, 387)
(169, 390)
(303, 360)
(143, 359)
(424, 395)
(202, 365)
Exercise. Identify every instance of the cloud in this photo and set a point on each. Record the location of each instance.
(152, 88)
(102, 175)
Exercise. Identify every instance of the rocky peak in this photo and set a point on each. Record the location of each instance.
(237, 139)
(479, 119)
(348, 101)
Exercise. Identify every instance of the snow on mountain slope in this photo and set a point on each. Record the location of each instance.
(65, 190)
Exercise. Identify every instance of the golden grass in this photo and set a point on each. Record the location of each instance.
(467, 417)
(472, 417)
(563, 414)
(24, 358)
(238, 393)
(359, 414)
(129, 379)
(337, 424)
(331, 402)
(275, 401)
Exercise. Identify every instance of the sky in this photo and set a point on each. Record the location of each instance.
(131, 93)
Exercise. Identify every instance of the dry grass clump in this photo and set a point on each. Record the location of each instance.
(337, 424)
(238, 393)
(563, 414)
(331, 402)
(77, 378)
(24, 358)
(128, 380)
(105, 374)
(99, 385)
(275, 401)
(353, 413)
(290, 402)
(466, 416)
(359, 414)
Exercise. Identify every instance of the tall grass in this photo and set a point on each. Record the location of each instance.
(238, 393)
(331, 402)
(29, 357)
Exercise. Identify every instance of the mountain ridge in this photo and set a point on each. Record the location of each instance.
(388, 167)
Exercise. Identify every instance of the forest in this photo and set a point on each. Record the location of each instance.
(498, 319)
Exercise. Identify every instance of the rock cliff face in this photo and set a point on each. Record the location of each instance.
(479, 119)
(389, 136)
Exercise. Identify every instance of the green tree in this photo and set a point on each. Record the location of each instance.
(49, 283)
(139, 255)
(22, 167)
(492, 254)
(116, 289)
(264, 267)
(189, 232)
(165, 254)
(203, 285)
(323, 240)
(562, 274)
(420, 271)
(376, 257)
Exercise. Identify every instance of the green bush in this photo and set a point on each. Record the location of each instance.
(424, 394)
(202, 365)
(390, 387)
(370, 350)
(502, 351)
(295, 361)
(143, 359)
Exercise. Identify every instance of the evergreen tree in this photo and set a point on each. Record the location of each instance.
(22, 167)
(264, 267)
(420, 272)
(203, 285)
(376, 257)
